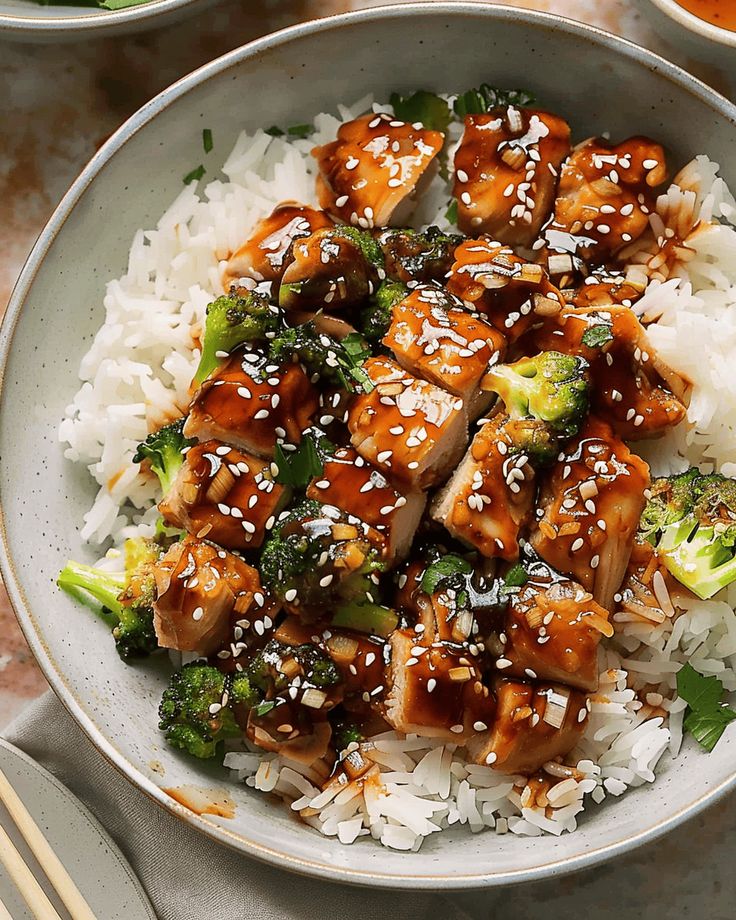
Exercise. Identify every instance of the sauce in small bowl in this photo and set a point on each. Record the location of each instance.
(721, 13)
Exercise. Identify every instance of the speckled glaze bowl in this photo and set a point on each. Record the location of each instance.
(598, 82)
(26, 20)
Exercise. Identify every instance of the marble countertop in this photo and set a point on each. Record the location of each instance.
(58, 103)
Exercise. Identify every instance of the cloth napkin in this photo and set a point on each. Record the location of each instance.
(189, 877)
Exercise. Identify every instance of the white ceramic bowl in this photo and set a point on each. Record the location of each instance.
(703, 40)
(26, 20)
(597, 81)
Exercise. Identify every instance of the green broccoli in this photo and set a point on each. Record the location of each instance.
(413, 255)
(337, 363)
(268, 676)
(690, 519)
(164, 449)
(367, 244)
(546, 397)
(195, 713)
(237, 317)
(315, 559)
(376, 317)
(123, 599)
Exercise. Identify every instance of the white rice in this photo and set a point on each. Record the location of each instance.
(136, 376)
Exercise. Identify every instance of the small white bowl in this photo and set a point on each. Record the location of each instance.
(699, 38)
(26, 20)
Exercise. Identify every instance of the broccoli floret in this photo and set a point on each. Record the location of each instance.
(308, 545)
(163, 449)
(546, 397)
(195, 714)
(237, 317)
(243, 692)
(690, 519)
(368, 246)
(413, 255)
(376, 318)
(336, 363)
(123, 599)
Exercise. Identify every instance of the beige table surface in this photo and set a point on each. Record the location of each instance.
(58, 103)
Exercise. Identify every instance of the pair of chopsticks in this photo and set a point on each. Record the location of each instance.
(24, 879)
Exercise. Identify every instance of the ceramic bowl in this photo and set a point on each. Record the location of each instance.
(26, 20)
(703, 40)
(599, 83)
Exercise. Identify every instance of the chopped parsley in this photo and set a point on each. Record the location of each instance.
(427, 108)
(207, 140)
(297, 467)
(451, 212)
(195, 175)
(485, 97)
(706, 717)
(443, 569)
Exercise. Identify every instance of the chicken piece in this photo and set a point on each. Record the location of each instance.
(506, 170)
(224, 495)
(198, 587)
(411, 255)
(265, 254)
(372, 174)
(509, 292)
(410, 429)
(633, 388)
(603, 291)
(433, 336)
(351, 484)
(434, 689)
(535, 723)
(553, 629)
(327, 270)
(605, 196)
(288, 729)
(489, 497)
(252, 403)
(592, 500)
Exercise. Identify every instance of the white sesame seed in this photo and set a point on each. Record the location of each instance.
(197, 613)
(491, 758)
(290, 595)
(456, 729)
(502, 663)
(431, 684)
(479, 726)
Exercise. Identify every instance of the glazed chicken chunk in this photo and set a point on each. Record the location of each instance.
(350, 483)
(604, 197)
(489, 497)
(433, 336)
(225, 495)
(591, 501)
(509, 292)
(265, 254)
(198, 589)
(252, 403)
(410, 429)
(553, 628)
(327, 271)
(633, 389)
(535, 723)
(506, 171)
(370, 176)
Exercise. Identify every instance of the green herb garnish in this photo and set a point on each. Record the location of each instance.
(207, 140)
(195, 175)
(427, 108)
(706, 717)
(597, 336)
(297, 467)
(444, 568)
(481, 100)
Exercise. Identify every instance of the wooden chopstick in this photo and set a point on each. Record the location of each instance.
(25, 881)
(4, 912)
(48, 860)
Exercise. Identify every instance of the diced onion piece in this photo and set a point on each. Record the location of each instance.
(460, 674)
(356, 765)
(291, 667)
(313, 698)
(521, 713)
(513, 157)
(243, 602)
(556, 708)
(463, 626)
(534, 617)
(220, 485)
(342, 648)
(598, 622)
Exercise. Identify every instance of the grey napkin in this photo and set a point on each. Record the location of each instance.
(188, 877)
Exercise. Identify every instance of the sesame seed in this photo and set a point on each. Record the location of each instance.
(594, 562)
(197, 613)
(327, 580)
(341, 201)
(431, 684)
(480, 726)
(262, 413)
(502, 663)
(491, 758)
(457, 729)
(650, 164)
(577, 544)
(290, 595)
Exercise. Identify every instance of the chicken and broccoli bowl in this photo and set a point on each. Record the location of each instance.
(409, 466)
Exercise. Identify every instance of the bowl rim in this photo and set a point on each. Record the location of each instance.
(320, 868)
(693, 23)
(89, 23)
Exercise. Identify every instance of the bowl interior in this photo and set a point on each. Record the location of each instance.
(597, 82)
